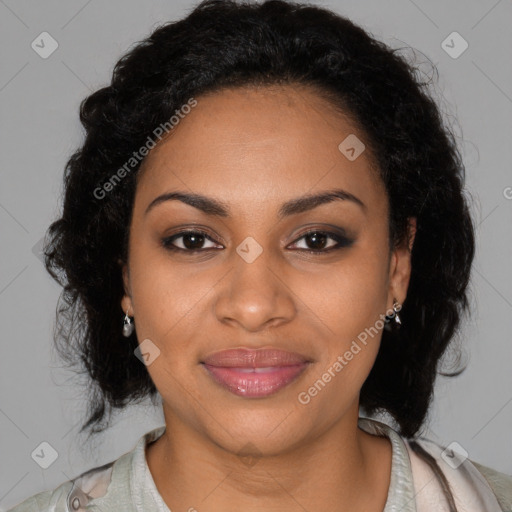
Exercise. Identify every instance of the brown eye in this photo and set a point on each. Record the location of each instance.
(191, 241)
(318, 241)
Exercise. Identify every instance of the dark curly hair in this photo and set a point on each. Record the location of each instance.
(224, 43)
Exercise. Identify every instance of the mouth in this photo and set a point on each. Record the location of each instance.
(255, 373)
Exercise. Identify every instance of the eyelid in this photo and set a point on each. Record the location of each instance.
(338, 235)
(321, 227)
(326, 228)
(184, 230)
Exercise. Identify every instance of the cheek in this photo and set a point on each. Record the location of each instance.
(165, 294)
(166, 301)
(348, 296)
(347, 303)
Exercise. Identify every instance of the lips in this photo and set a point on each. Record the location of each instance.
(255, 373)
(260, 358)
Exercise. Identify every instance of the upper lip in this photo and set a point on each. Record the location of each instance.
(254, 358)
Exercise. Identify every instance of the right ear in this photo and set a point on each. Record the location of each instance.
(126, 301)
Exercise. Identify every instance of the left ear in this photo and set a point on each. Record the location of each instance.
(400, 267)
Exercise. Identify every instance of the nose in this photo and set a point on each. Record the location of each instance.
(255, 295)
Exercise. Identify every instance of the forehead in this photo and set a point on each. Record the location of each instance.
(245, 144)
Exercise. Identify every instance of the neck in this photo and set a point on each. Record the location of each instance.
(333, 471)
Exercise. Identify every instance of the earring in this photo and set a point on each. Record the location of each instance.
(396, 308)
(127, 326)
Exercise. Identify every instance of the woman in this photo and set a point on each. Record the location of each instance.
(266, 225)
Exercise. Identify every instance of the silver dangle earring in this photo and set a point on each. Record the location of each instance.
(127, 326)
(396, 308)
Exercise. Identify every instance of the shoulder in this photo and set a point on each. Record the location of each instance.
(426, 468)
(72, 495)
(41, 502)
(500, 483)
(107, 487)
(471, 483)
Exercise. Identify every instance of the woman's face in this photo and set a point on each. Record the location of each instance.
(253, 282)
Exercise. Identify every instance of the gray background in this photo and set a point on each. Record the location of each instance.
(39, 99)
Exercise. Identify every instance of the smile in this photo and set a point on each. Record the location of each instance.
(255, 373)
(255, 382)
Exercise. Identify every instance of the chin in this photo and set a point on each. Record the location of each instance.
(260, 431)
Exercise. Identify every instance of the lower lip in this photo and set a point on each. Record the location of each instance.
(252, 384)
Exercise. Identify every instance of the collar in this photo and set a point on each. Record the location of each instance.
(401, 494)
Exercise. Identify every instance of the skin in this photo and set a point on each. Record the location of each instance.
(253, 149)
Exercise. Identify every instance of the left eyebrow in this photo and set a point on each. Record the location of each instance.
(211, 206)
(308, 202)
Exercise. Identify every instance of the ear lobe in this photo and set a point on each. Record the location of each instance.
(400, 271)
(126, 305)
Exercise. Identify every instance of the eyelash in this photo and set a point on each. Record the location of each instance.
(342, 241)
